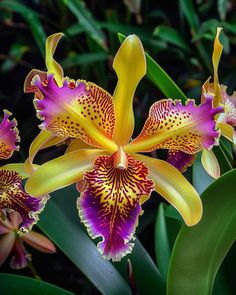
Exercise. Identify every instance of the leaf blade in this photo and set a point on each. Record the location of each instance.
(20, 285)
(196, 260)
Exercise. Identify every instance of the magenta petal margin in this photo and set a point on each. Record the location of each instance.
(13, 197)
(9, 136)
(110, 206)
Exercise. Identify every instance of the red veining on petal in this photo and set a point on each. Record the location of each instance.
(171, 125)
(14, 197)
(110, 205)
(9, 136)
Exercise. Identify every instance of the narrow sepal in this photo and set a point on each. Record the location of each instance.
(210, 163)
(175, 188)
(130, 66)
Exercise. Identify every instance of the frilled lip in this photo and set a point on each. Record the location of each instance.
(9, 136)
(111, 203)
(13, 197)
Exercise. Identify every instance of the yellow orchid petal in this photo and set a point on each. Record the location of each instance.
(77, 110)
(210, 163)
(39, 242)
(130, 66)
(227, 131)
(43, 137)
(175, 188)
(171, 125)
(56, 140)
(78, 144)
(52, 66)
(61, 171)
(217, 51)
(17, 167)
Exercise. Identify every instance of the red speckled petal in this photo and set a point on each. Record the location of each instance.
(171, 125)
(78, 109)
(110, 205)
(14, 197)
(8, 136)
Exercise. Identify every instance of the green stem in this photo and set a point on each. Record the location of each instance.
(33, 270)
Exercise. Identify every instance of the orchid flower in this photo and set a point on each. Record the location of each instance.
(226, 121)
(12, 242)
(12, 193)
(112, 175)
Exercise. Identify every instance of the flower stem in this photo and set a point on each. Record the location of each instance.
(33, 270)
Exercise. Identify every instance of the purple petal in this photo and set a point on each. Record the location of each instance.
(180, 160)
(13, 197)
(9, 136)
(20, 257)
(110, 205)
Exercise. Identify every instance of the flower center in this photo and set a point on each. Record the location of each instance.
(120, 159)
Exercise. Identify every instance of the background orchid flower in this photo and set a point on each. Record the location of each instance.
(226, 121)
(114, 179)
(13, 243)
(12, 193)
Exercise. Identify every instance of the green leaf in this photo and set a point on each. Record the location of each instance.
(16, 53)
(188, 9)
(83, 59)
(20, 285)
(87, 21)
(189, 12)
(223, 158)
(60, 222)
(147, 277)
(125, 30)
(200, 250)
(172, 36)
(160, 78)
(162, 247)
(222, 6)
(32, 18)
(201, 179)
(209, 26)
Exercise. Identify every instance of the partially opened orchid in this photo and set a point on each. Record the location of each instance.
(226, 121)
(12, 242)
(114, 179)
(12, 194)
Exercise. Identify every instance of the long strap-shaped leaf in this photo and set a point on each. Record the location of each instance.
(160, 78)
(199, 251)
(20, 285)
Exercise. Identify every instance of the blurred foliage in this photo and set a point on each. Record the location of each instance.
(178, 35)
